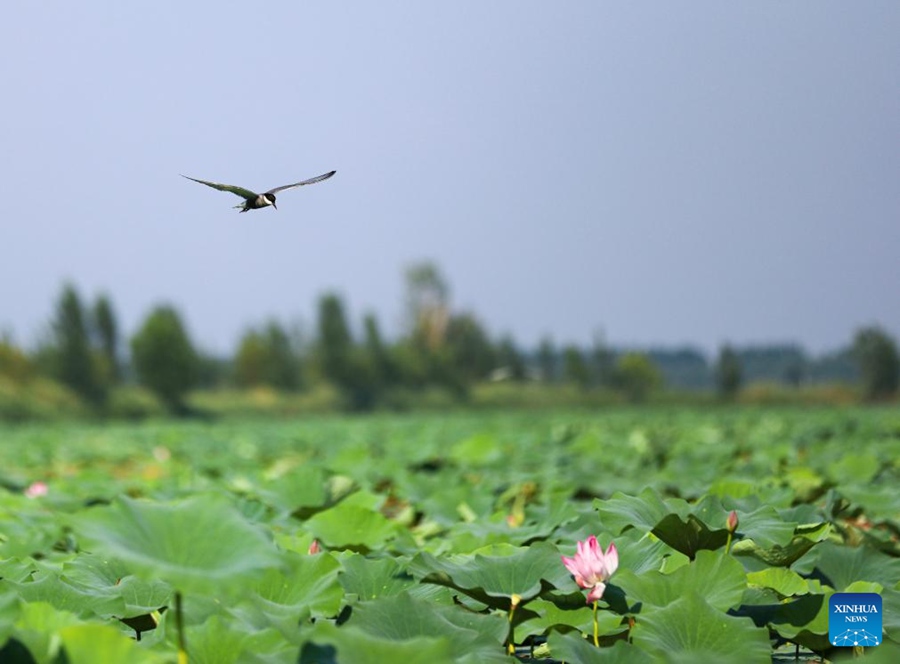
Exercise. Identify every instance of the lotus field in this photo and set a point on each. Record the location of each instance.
(632, 535)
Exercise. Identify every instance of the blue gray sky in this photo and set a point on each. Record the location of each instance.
(669, 172)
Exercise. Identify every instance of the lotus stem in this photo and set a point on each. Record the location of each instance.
(596, 627)
(511, 642)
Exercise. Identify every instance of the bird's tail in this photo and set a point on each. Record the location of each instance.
(241, 207)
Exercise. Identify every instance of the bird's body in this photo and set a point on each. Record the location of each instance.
(254, 201)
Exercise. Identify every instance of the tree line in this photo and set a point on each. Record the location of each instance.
(439, 349)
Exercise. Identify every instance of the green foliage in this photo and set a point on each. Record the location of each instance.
(636, 376)
(14, 364)
(266, 357)
(879, 362)
(510, 360)
(74, 363)
(575, 369)
(334, 343)
(427, 296)
(469, 349)
(432, 528)
(164, 357)
(546, 359)
(728, 373)
(107, 337)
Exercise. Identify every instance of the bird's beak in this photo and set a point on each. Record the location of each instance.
(274, 206)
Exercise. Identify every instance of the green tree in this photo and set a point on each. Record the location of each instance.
(250, 360)
(164, 357)
(637, 376)
(107, 332)
(879, 363)
(282, 365)
(509, 357)
(427, 304)
(73, 361)
(14, 364)
(266, 357)
(471, 355)
(728, 373)
(377, 354)
(335, 344)
(602, 361)
(575, 369)
(546, 359)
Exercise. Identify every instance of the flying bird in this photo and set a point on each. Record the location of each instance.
(254, 201)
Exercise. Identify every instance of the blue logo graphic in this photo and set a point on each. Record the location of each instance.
(854, 619)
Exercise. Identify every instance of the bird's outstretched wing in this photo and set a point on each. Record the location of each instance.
(318, 178)
(240, 191)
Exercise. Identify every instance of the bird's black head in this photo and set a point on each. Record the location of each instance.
(271, 199)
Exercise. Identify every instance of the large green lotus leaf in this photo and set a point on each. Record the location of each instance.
(689, 535)
(805, 538)
(690, 630)
(197, 544)
(80, 600)
(308, 586)
(766, 527)
(37, 629)
(718, 578)
(890, 616)
(880, 501)
(403, 618)
(804, 620)
(780, 579)
(572, 647)
(854, 469)
(539, 616)
(373, 578)
(353, 527)
(622, 511)
(300, 491)
(90, 644)
(843, 565)
(9, 612)
(519, 574)
(479, 450)
(100, 576)
(214, 642)
(27, 533)
(328, 644)
(17, 569)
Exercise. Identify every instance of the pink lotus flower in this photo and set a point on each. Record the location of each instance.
(732, 522)
(314, 548)
(36, 490)
(592, 567)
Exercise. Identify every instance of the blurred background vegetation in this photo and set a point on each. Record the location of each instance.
(82, 366)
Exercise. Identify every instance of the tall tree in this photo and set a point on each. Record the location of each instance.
(427, 297)
(14, 364)
(470, 350)
(282, 365)
(728, 372)
(575, 368)
(602, 361)
(509, 357)
(107, 331)
(164, 357)
(377, 354)
(73, 360)
(335, 344)
(546, 358)
(879, 362)
(637, 376)
(250, 360)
